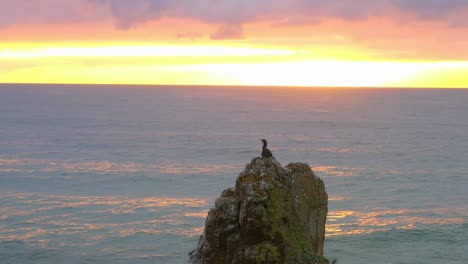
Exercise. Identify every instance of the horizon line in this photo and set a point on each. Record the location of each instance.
(239, 86)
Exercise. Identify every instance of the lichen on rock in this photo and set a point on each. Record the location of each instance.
(275, 214)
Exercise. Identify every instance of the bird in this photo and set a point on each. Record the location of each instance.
(266, 153)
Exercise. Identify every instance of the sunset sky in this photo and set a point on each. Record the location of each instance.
(388, 43)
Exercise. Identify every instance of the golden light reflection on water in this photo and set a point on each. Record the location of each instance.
(335, 171)
(201, 214)
(24, 234)
(107, 167)
(195, 231)
(341, 223)
(36, 217)
(41, 202)
(337, 198)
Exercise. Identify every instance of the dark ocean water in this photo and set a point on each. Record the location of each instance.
(126, 174)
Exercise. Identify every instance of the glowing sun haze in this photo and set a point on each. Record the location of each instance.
(386, 43)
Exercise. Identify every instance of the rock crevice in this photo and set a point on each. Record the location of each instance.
(275, 214)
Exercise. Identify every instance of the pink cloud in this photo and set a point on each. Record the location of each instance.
(230, 15)
(228, 31)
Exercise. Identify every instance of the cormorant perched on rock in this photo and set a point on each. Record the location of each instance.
(266, 153)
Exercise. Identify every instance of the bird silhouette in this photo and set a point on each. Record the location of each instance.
(266, 153)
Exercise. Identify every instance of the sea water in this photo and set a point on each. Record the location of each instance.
(127, 174)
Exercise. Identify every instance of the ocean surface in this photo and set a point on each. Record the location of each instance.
(126, 174)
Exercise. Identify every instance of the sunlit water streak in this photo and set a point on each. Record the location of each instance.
(94, 175)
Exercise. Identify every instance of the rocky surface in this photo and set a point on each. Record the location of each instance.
(275, 214)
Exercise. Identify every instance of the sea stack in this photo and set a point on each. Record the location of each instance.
(275, 214)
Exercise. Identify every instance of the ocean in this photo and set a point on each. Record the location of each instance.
(127, 174)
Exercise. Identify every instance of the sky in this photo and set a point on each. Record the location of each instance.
(377, 43)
